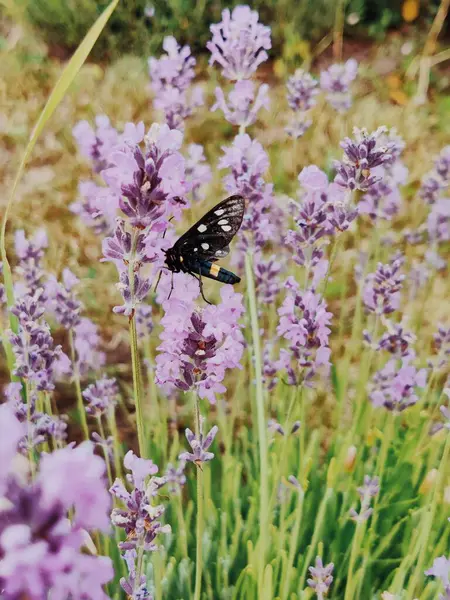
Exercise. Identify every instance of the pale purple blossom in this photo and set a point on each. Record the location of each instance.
(41, 549)
(302, 91)
(199, 445)
(436, 183)
(175, 477)
(96, 206)
(144, 320)
(197, 171)
(321, 578)
(30, 252)
(335, 82)
(33, 347)
(361, 156)
(441, 570)
(175, 69)
(304, 324)
(394, 387)
(101, 396)
(267, 278)
(87, 343)
(140, 516)
(96, 144)
(366, 492)
(239, 43)
(244, 102)
(381, 294)
(199, 346)
(62, 299)
(178, 105)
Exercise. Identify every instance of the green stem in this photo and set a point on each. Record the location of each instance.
(76, 379)
(136, 368)
(199, 557)
(293, 544)
(105, 449)
(360, 527)
(261, 419)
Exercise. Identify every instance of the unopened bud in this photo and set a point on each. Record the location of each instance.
(350, 459)
(429, 481)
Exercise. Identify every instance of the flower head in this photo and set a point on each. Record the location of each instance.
(395, 387)
(243, 103)
(175, 69)
(321, 578)
(239, 43)
(199, 445)
(366, 492)
(101, 396)
(335, 82)
(301, 91)
(381, 293)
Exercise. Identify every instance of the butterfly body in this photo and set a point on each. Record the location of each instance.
(196, 251)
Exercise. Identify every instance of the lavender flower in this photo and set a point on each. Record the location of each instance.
(304, 324)
(171, 76)
(360, 156)
(101, 396)
(63, 301)
(197, 171)
(441, 570)
(441, 341)
(381, 293)
(437, 181)
(97, 207)
(243, 102)
(30, 252)
(41, 548)
(301, 93)
(199, 445)
(397, 341)
(149, 184)
(96, 144)
(267, 278)
(394, 387)
(239, 43)
(321, 578)
(33, 346)
(438, 222)
(175, 69)
(144, 320)
(366, 492)
(140, 517)
(175, 477)
(335, 82)
(87, 342)
(199, 346)
(133, 590)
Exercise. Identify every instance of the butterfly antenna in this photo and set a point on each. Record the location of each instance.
(165, 230)
(159, 279)
(171, 289)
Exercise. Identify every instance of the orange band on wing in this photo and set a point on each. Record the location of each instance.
(214, 270)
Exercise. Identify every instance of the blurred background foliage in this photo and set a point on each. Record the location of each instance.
(139, 26)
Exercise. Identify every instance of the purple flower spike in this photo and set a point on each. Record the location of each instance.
(436, 182)
(175, 69)
(30, 252)
(321, 578)
(243, 102)
(97, 207)
(101, 396)
(361, 155)
(63, 301)
(175, 477)
(366, 492)
(239, 43)
(441, 570)
(394, 387)
(139, 517)
(335, 82)
(199, 445)
(381, 293)
(301, 91)
(96, 144)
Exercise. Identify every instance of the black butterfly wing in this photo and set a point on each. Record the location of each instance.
(209, 238)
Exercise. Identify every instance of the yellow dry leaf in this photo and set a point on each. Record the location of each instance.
(410, 10)
(393, 81)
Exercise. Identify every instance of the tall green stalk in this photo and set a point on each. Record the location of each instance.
(77, 382)
(261, 421)
(199, 550)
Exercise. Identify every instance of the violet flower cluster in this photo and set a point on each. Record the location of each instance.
(139, 518)
(395, 387)
(199, 445)
(441, 570)
(302, 90)
(321, 578)
(197, 171)
(381, 293)
(35, 354)
(361, 155)
(239, 45)
(335, 82)
(171, 78)
(383, 199)
(41, 549)
(39, 427)
(151, 185)
(366, 492)
(199, 346)
(304, 324)
(30, 252)
(101, 396)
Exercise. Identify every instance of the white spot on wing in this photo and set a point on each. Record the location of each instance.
(195, 249)
(205, 246)
(226, 228)
(219, 212)
(223, 222)
(202, 228)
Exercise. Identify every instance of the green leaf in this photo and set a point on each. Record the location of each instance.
(58, 93)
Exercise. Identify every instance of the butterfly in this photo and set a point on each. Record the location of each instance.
(197, 250)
